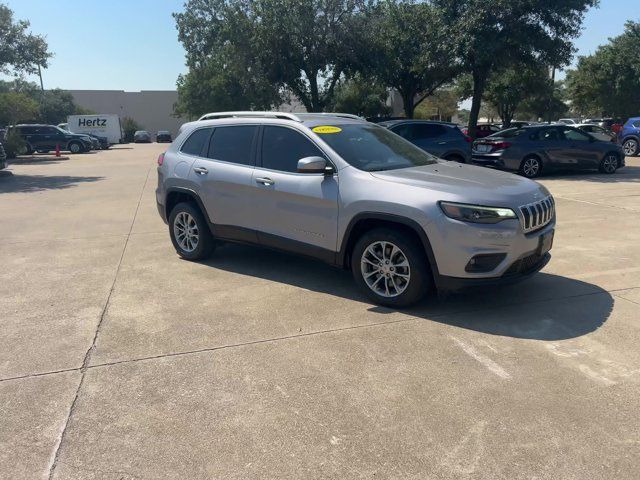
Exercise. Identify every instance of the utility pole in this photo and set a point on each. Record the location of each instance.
(553, 86)
(40, 75)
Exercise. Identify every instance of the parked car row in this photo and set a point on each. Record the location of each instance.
(527, 149)
(142, 136)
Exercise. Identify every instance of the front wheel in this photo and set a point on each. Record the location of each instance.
(391, 268)
(631, 147)
(190, 233)
(609, 163)
(531, 167)
(75, 147)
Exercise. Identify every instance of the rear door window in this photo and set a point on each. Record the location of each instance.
(575, 135)
(426, 131)
(196, 143)
(549, 135)
(233, 144)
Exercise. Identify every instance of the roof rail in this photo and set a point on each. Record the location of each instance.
(214, 115)
(335, 114)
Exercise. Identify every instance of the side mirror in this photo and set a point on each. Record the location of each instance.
(314, 165)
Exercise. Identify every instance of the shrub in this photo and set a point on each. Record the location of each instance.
(13, 144)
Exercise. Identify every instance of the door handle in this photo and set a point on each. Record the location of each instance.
(200, 170)
(265, 181)
(442, 143)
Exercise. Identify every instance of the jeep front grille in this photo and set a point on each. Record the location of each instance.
(538, 214)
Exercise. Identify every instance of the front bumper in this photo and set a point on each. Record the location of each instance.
(520, 270)
(455, 244)
(487, 161)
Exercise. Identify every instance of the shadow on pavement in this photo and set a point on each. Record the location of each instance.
(626, 174)
(36, 183)
(39, 160)
(544, 307)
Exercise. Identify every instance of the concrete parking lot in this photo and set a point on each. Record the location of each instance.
(118, 360)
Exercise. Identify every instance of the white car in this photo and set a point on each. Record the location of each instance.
(596, 131)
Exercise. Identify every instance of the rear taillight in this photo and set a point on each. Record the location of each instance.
(468, 139)
(501, 145)
(160, 159)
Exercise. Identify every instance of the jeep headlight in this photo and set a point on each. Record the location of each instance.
(476, 213)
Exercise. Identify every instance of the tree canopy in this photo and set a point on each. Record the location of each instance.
(509, 88)
(408, 50)
(487, 36)
(608, 82)
(20, 50)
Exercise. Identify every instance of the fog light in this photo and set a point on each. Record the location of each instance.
(484, 262)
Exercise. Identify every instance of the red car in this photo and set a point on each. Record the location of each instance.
(483, 130)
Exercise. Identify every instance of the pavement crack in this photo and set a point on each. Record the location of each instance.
(87, 357)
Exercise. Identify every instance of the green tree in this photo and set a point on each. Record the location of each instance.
(224, 72)
(129, 127)
(507, 89)
(306, 45)
(608, 82)
(442, 105)
(247, 53)
(17, 108)
(55, 106)
(546, 103)
(360, 97)
(20, 51)
(408, 49)
(491, 35)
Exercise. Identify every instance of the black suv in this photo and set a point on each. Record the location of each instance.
(43, 138)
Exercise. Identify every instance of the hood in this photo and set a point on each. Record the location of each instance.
(469, 184)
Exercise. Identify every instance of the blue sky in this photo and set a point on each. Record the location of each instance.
(132, 44)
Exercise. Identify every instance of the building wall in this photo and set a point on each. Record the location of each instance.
(152, 109)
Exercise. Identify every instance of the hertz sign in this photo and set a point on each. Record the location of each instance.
(92, 122)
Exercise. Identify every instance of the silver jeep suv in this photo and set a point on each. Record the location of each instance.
(355, 195)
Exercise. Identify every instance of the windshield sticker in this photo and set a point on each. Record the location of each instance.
(326, 129)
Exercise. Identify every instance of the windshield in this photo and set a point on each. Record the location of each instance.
(372, 148)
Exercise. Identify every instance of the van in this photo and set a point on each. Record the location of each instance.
(107, 126)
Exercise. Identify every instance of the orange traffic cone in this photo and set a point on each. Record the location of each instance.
(57, 150)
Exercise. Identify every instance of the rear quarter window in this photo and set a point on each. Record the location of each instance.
(194, 145)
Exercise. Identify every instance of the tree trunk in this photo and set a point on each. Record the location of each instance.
(408, 97)
(316, 105)
(479, 82)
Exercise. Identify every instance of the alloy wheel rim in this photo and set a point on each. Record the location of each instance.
(75, 148)
(385, 269)
(185, 230)
(630, 147)
(531, 167)
(610, 163)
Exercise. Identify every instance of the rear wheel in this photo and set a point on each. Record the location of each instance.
(631, 147)
(190, 233)
(531, 167)
(609, 163)
(391, 268)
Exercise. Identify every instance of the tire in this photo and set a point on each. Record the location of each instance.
(531, 167)
(455, 158)
(631, 147)
(405, 284)
(189, 214)
(75, 147)
(25, 149)
(609, 163)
